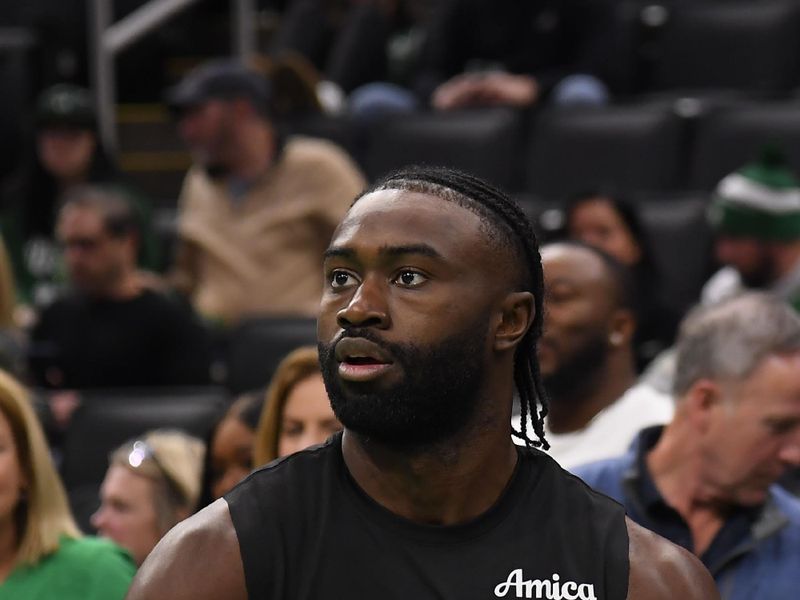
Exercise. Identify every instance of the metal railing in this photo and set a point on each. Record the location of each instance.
(109, 39)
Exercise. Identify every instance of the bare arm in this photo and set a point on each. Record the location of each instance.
(660, 570)
(198, 559)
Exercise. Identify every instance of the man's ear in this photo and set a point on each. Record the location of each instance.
(701, 401)
(623, 327)
(517, 314)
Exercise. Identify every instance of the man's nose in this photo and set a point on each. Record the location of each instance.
(790, 452)
(367, 307)
(97, 519)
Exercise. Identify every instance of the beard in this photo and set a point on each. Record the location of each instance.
(760, 277)
(577, 370)
(435, 400)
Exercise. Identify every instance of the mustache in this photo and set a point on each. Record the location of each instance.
(363, 333)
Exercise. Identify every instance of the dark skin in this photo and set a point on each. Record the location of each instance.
(580, 304)
(394, 284)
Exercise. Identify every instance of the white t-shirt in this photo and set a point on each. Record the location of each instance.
(611, 430)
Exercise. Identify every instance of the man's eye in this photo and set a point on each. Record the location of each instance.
(340, 279)
(410, 278)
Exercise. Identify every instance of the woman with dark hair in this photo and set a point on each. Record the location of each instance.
(229, 454)
(68, 153)
(610, 223)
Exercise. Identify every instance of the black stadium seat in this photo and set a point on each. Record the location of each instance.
(107, 419)
(726, 139)
(483, 142)
(681, 240)
(736, 45)
(632, 148)
(257, 345)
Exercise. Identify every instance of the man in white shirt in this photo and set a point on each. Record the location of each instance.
(586, 357)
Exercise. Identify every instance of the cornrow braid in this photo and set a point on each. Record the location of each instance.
(507, 225)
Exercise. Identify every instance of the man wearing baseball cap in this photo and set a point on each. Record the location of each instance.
(256, 213)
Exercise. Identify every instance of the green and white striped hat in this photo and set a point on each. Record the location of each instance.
(760, 200)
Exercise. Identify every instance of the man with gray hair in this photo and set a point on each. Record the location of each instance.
(706, 481)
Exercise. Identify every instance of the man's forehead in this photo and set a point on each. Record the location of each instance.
(410, 214)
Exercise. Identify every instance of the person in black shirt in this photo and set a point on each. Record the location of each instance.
(111, 330)
(429, 317)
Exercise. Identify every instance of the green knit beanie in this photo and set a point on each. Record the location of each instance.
(761, 200)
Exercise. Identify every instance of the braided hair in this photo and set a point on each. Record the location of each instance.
(506, 226)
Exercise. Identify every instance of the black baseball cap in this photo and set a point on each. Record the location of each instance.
(66, 105)
(226, 79)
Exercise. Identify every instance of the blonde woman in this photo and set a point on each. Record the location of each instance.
(297, 412)
(42, 553)
(152, 483)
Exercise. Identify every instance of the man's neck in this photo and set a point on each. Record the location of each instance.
(675, 465)
(572, 408)
(444, 485)
(126, 287)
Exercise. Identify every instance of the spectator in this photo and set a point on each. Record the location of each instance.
(12, 357)
(756, 214)
(610, 223)
(506, 52)
(110, 330)
(298, 413)
(351, 42)
(68, 154)
(151, 484)
(229, 456)
(43, 555)
(705, 481)
(586, 357)
(255, 214)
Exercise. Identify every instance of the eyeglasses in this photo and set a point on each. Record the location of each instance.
(142, 451)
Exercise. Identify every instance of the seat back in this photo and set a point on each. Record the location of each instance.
(728, 138)
(257, 346)
(632, 148)
(482, 142)
(742, 45)
(107, 419)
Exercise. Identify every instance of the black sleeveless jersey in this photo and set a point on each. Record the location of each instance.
(307, 531)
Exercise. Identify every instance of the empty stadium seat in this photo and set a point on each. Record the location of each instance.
(728, 138)
(681, 242)
(257, 345)
(483, 142)
(739, 45)
(631, 148)
(107, 419)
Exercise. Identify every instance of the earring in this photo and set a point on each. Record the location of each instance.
(615, 338)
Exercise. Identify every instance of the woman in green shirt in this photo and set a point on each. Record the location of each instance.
(42, 553)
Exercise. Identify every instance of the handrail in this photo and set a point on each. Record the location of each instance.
(109, 39)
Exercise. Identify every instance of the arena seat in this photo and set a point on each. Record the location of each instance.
(483, 142)
(631, 147)
(728, 138)
(109, 418)
(681, 243)
(737, 45)
(257, 345)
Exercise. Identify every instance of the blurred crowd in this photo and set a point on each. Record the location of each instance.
(92, 303)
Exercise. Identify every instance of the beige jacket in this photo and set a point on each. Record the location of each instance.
(262, 253)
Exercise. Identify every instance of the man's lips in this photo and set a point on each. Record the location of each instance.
(361, 360)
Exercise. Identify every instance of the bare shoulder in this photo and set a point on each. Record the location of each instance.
(198, 559)
(660, 570)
